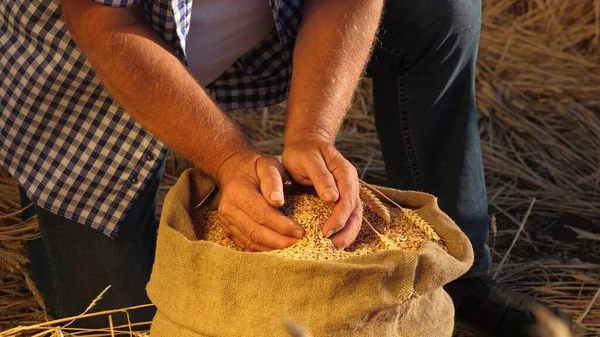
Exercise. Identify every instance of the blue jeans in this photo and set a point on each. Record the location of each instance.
(71, 263)
(423, 73)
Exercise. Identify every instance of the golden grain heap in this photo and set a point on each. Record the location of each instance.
(385, 227)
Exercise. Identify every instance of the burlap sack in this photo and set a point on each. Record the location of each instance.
(203, 289)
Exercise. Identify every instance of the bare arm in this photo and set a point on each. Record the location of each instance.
(331, 51)
(157, 90)
(151, 83)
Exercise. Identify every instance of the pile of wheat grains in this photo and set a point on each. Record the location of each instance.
(386, 226)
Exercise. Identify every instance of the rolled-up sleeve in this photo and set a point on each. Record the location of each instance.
(117, 3)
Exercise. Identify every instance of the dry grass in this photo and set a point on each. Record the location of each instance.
(538, 93)
(538, 96)
(19, 299)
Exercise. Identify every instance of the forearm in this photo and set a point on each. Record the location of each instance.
(331, 50)
(155, 87)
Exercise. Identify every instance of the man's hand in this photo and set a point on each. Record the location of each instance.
(251, 187)
(318, 163)
(331, 50)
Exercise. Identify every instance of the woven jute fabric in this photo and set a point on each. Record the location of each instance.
(203, 289)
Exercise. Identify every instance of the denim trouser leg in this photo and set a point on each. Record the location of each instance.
(423, 71)
(71, 263)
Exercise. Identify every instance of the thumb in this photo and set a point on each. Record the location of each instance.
(323, 181)
(271, 174)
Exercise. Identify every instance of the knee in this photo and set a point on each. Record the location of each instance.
(459, 17)
(430, 24)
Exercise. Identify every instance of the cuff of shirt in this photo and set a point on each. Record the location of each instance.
(117, 3)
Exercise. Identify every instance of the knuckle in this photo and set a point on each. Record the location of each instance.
(224, 209)
(323, 175)
(336, 159)
(349, 169)
(348, 205)
(255, 235)
(270, 182)
(272, 171)
(330, 151)
(269, 219)
(312, 155)
(269, 174)
(258, 214)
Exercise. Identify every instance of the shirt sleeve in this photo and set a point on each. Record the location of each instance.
(117, 3)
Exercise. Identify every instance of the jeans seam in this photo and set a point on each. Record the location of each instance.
(52, 269)
(405, 130)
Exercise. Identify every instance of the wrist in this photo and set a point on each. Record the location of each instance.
(309, 134)
(234, 160)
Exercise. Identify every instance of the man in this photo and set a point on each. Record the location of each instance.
(95, 91)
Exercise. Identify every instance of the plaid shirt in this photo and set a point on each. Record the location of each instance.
(73, 149)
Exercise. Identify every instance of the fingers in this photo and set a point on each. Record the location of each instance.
(333, 177)
(257, 209)
(240, 239)
(248, 234)
(253, 221)
(339, 217)
(248, 206)
(347, 180)
(265, 240)
(348, 234)
(271, 175)
(321, 178)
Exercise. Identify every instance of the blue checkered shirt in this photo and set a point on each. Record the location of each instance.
(69, 144)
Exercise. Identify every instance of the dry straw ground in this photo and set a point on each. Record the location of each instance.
(539, 102)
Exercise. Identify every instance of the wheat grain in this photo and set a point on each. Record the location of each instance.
(373, 203)
(12, 261)
(405, 230)
(36, 293)
(412, 217)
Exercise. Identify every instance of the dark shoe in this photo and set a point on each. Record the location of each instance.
(488, 309)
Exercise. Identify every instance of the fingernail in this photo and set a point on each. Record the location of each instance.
(298, 234)
(330, 194)
(330, 233)
(276, 196)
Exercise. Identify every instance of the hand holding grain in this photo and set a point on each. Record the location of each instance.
(251, 187)
(318, 163)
